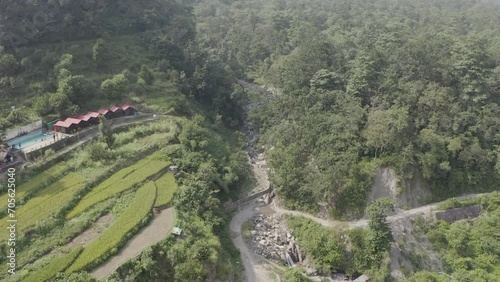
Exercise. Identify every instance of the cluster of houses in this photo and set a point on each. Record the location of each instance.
(71, 125)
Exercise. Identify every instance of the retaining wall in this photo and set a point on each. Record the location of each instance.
(233, 205)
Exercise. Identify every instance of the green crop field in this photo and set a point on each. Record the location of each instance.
(36, 182)
(115, 235)
(119, 182)
(55, 266)
(166, 186)
(48, 201)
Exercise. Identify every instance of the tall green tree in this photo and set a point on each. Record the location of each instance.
(105, 133)
(379, 233)
(115, 87)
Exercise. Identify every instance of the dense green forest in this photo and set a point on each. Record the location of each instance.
(69, 57)
(117, 59)
(468, 249)
(414, 85)
(410, 84)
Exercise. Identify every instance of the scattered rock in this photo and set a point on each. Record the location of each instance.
(272, 239)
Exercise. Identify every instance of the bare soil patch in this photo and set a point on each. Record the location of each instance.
(92, 232)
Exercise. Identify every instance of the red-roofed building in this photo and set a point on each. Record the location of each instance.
(129, 110)
(90, 117)
(117, 111)
(67, 126)
(71, 125)
(106, 113)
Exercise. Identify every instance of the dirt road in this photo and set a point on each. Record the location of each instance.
(256, 267)
(361, 223)
(155, 231)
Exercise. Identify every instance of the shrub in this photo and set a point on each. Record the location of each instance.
(115, 87)
(322, 244)
(128, 223)
(146, 75)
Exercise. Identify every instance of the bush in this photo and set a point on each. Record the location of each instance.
(115, 87)
(49, 153)
(322, 244)
(146, 75)
(98, 151)
(116, 235)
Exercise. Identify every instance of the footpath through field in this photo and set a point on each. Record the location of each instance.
(159, 227)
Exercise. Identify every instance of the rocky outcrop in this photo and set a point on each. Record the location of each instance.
(271, 238)
(406, 193)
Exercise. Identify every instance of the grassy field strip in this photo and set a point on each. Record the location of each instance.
(128, 223)
(167, 186)
(50, 200)
(36, 182)
(116, 184)
(55, 266)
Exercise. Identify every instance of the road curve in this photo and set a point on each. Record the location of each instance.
(155, 231)
(254, 265)
(361, 223)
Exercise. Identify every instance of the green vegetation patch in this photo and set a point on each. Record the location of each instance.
(49, 201)
(121, 181)
(55, 266)
(469, 249)
(38, 181)
(483, 200)
(166, 186)
(129, 222)
(323, 245)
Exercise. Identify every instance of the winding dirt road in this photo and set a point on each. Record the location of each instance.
(154, 232)
(362, 223)
(259, 269)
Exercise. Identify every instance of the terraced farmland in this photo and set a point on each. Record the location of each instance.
(128, 222)
(38, 181)
(48, 201)
(55, 266)
(121, 181)
(166, 186)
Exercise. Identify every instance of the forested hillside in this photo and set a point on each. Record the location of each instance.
(63, 58)
(124, 51)
(413, 85)
(410, 84)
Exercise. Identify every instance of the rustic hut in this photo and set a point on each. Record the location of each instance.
(117, 111)
(69, 125)
(106, 113)
(89, 118)
(129, 110)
